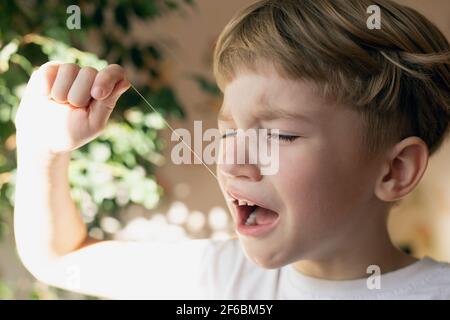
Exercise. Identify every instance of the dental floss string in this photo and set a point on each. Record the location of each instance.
(170, 127)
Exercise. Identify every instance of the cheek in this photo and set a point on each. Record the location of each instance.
(317, 183)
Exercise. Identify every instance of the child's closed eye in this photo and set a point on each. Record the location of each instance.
(282, 137)
(229, 133)
(270, 135)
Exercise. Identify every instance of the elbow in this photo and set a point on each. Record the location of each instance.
(37, 264)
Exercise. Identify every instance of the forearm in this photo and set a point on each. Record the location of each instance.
(46, 220)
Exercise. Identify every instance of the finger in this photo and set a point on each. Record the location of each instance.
(100, 110)
(106, 81)
(67, 74)
(41, 81)
(49, 71)
(80, 93)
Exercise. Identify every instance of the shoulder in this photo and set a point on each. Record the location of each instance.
(431, 281)
(437, 279)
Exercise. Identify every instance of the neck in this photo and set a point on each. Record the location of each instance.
(349, 257)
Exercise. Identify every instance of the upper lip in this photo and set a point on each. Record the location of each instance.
(234, 195)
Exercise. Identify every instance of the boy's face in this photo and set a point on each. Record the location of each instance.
(322, 189)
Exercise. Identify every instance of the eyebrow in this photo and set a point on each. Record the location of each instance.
(266, 114)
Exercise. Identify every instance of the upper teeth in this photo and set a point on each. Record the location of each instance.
(245, 203)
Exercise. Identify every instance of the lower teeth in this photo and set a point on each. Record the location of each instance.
(251, 220)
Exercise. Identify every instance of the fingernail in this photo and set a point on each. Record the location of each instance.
(97, 93)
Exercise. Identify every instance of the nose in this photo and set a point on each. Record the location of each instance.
(242, 171)
(235, 165)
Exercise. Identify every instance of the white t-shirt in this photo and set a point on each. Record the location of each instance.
(226, 273)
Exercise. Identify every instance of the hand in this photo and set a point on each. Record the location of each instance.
(65, 106)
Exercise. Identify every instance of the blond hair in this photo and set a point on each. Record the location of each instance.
(396, 77)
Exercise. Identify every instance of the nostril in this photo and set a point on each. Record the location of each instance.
(242, 171)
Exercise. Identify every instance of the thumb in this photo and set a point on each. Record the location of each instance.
(100, 110)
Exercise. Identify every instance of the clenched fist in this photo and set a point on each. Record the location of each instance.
(65, 106)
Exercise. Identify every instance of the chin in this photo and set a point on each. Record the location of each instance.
(262, 257)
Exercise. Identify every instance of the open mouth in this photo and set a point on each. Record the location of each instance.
(250, 214)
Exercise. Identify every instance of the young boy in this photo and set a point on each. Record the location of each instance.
(359, 111)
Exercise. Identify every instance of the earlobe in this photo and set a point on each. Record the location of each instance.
(402, 170)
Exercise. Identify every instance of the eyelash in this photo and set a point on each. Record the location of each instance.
(228, 134)
(282, 137)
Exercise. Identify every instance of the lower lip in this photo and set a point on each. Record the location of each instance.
(256, 230)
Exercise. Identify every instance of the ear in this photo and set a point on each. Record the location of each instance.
(403, 169)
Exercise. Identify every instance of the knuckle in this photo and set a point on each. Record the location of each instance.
(49, 72)
(116, 67)
(70, 66)
(89, 70)
(117, 70)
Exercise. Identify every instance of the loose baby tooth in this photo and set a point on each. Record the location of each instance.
(251, 220)
(242, 202)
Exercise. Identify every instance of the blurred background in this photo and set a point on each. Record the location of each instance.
(124, 182)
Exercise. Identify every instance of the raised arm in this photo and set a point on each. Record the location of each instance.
(65, 107)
